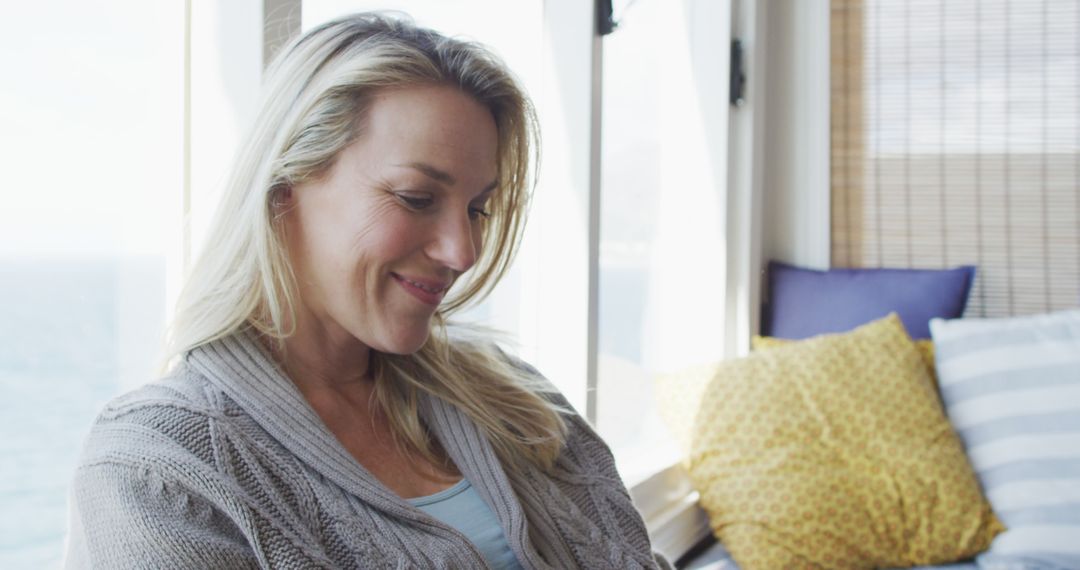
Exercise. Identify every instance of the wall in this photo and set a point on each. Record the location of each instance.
(795, 173)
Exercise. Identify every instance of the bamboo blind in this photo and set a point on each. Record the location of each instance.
(955, 139)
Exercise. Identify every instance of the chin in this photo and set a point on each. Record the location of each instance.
(408, 343)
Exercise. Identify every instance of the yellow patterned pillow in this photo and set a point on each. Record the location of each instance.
(832, 452)
(924, 346)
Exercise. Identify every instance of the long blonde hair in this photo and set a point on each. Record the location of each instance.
(313, 105)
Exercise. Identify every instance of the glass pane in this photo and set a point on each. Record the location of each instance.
(91, 118)
(662, 254)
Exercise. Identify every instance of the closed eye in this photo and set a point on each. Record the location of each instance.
(476, 212)
(414, 201)
(479, 207)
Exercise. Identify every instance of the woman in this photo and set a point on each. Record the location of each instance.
(320, 412)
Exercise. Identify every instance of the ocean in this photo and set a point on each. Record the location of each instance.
(63, 353)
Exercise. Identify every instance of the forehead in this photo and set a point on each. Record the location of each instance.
(432, 124)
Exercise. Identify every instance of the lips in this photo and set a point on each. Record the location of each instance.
(427, 291)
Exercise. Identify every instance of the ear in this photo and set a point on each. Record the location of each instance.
(281, 198)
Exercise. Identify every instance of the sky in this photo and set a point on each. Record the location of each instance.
(91, 118)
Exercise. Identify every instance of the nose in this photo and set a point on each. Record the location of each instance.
(455, 243)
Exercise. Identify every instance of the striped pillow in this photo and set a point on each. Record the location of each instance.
(1011, 388)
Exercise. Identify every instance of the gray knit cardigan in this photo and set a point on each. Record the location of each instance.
(223, 464)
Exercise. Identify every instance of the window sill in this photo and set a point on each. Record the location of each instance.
(669, 505)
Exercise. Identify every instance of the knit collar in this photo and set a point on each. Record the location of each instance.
(243, 369)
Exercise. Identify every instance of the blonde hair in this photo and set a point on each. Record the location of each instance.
(313, 106)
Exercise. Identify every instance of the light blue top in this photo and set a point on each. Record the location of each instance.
(461, 507)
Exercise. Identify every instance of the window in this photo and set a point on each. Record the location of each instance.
(91, 126)
(123, 126)
(662, 293)
(955, 141)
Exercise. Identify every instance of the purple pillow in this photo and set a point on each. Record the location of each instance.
(807, 302)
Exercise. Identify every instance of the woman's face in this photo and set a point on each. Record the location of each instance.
(378, 239)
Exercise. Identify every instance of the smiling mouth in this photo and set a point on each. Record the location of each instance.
(430, 288)
(427, 292)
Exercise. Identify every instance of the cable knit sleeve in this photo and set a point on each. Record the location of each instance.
(124, 516)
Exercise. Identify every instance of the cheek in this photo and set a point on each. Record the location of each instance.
(373, 228)
(324, 229)
(384, 237)
(478, 239)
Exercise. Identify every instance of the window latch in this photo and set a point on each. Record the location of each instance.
(737, 85)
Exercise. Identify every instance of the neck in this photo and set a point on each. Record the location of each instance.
(318, 359)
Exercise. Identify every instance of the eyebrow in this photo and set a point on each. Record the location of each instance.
(443, 176)
(432, 172)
